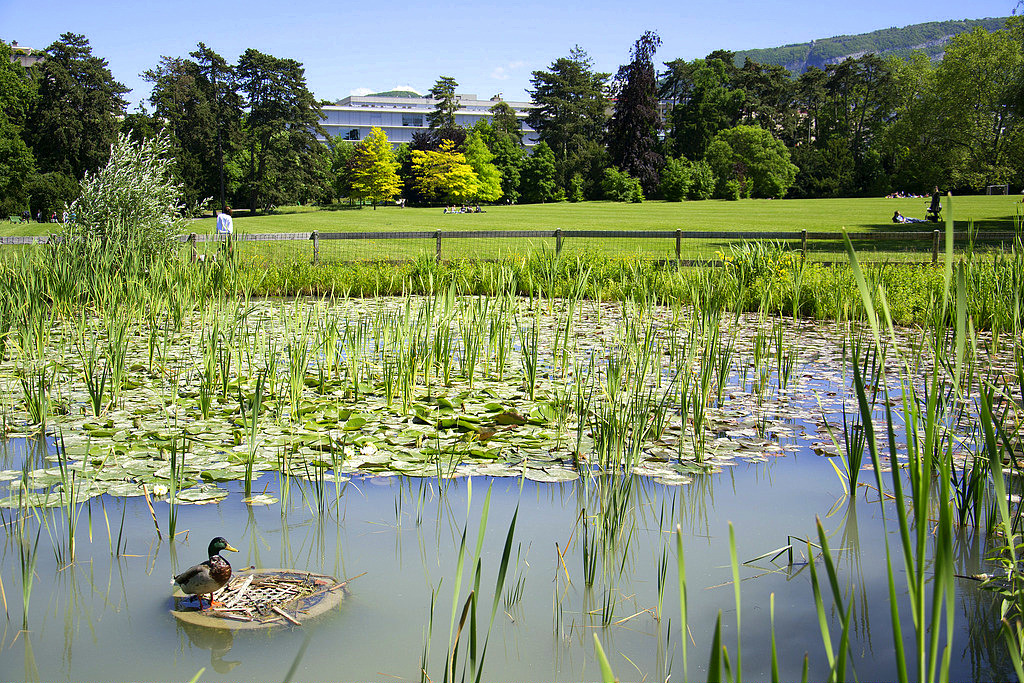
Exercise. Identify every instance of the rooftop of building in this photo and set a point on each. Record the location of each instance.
(410, 98)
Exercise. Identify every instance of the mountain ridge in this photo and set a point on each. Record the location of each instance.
(929, 37)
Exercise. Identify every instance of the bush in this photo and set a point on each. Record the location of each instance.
(576, 188)
(675, 179)
(131, 207)
(619, 186)
(702, 180)
(731, 190)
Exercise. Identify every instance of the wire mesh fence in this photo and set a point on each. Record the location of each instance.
(682, 246)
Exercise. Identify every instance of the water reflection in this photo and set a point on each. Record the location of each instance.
(595, 556)
(218, 641)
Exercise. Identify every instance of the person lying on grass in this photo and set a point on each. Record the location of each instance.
(897, 217)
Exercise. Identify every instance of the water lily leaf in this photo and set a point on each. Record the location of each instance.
(542, 413)
(550, 474)
(260, 499)
(353, 423)
(218, 475)
(202, 494)
(510, 418)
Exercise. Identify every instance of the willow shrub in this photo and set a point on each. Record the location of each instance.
(130, 209)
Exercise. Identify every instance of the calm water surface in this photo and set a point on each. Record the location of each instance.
(106, 618)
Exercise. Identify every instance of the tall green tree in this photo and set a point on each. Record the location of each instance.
(860, 101)
(509, 158)
(443, 175)
(75, 118)
(281, 126)
(539, 178)
(973, 106)
(710, 104)
(17, 164)
(505, 121)
(753, 158)
(768, 99)
(480, 159)
(633, 129)
(184, 111)
(570, 114)
(217, 80)
(373, 169)
(443, 114)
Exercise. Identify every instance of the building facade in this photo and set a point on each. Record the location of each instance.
(26, 56)
(401, 113)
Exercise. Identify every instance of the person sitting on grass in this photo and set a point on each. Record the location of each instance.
(897, 217)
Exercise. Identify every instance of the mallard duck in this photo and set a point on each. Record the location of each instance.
(207, 577)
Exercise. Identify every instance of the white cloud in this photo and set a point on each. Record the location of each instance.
(502, 73)
(359, 92)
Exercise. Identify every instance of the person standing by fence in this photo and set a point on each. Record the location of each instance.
(226, 227)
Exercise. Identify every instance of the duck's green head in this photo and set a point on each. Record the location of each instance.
(218, 544)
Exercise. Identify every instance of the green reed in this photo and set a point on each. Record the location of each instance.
(115, 352)
(251, 408)
(36, 379)
(529, 345)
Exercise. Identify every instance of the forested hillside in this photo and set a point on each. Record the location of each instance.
(930, 38)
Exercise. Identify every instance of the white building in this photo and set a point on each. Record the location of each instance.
(400, 113)
(26, 56)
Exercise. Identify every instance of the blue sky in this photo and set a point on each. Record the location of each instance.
(353, 47)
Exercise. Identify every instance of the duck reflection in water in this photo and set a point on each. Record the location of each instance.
(218, 641)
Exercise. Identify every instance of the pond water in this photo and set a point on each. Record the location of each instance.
(107, 618)
(769, 472)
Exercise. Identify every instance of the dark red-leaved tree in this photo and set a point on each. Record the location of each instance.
(633, 129)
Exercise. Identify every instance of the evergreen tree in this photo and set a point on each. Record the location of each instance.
(217, 80)
(374, 171)
(505, 121)
(570, 115)
(280, 127)
(633, 130)
(75, 118)
(539, 175)
(17, 164)
(443, 115)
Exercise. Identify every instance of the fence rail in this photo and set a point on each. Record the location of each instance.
(559, 236)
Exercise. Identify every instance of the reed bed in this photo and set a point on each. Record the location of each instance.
(169, 378)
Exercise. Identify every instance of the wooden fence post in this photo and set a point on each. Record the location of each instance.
(679, 247)
(437, 235)
(558, 242)
(803, 244)
(935, 247)
(195, 251)
(316, 247)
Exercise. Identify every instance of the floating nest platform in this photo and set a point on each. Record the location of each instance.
(263, 598)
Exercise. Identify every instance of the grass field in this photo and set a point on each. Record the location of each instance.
(988, 213)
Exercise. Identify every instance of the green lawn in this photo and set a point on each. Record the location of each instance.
(828, 215)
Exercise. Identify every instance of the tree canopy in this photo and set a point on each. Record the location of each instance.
(570, 114)
(444, 175)
(373, 167)
(633, 129)
(74, 118)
